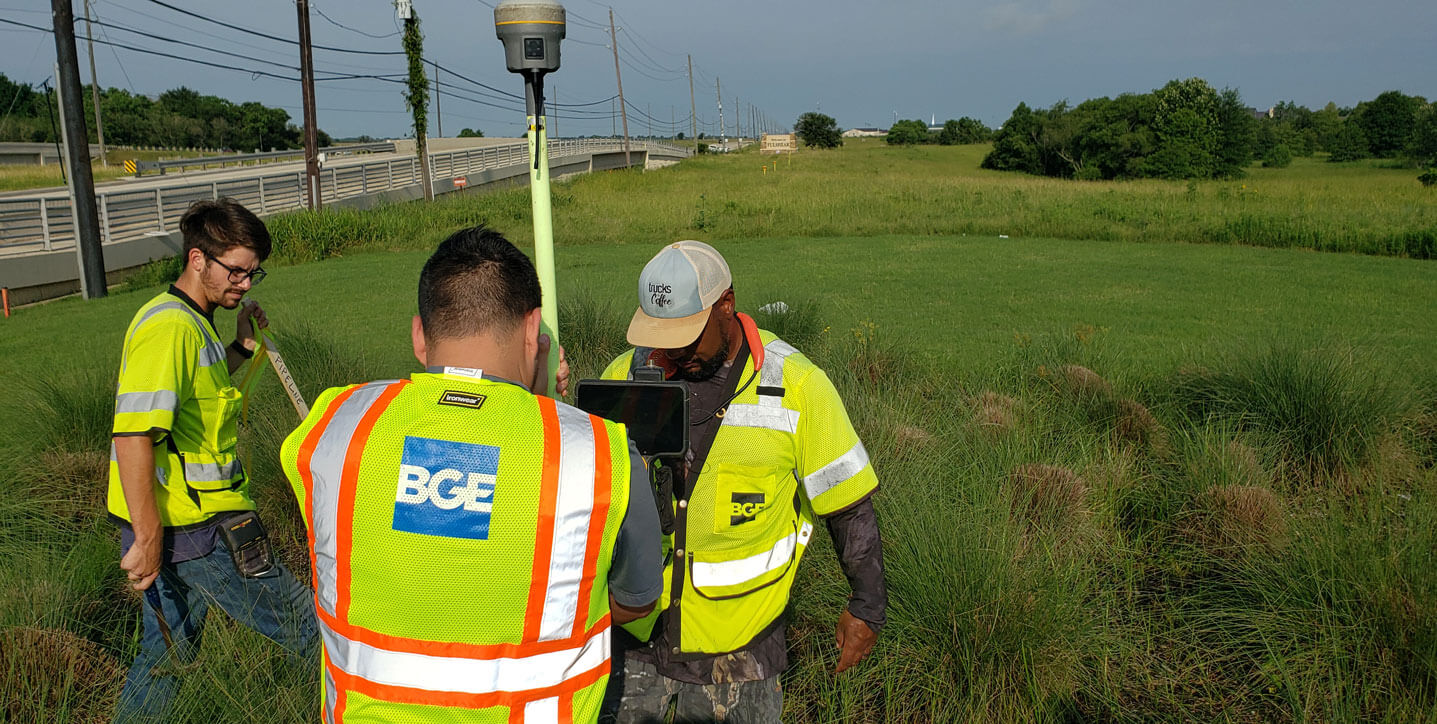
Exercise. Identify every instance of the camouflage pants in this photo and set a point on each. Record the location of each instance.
(650, 698)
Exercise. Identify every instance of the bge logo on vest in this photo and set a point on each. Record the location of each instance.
(445, 488)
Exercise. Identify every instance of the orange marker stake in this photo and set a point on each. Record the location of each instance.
(5, 293)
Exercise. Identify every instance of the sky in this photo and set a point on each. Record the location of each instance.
(864, 63)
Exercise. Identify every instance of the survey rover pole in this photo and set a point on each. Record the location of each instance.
(531, 31)
(543, 216)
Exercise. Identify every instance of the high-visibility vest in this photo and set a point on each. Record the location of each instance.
(461, 532)
(784, 453)
(174, 376)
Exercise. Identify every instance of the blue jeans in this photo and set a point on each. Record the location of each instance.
(275, 605)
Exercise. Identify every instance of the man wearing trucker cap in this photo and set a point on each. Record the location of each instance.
(771, 452)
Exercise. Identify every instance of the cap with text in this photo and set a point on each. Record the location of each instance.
(677, 289)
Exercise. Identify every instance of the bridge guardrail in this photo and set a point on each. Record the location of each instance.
(140, 167)
(42, 223)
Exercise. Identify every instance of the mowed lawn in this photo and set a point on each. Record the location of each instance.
(961, 301)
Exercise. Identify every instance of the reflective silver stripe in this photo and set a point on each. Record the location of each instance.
(844, 467)
(213, 351)
(211, 354)
(779, 418)
(331, 696)
(326, 465)
(128, 402)
(731, 573)
(774, 354)
(542, 710)
(464, 675)
(574, 506)
(114, 458)
(212, 472)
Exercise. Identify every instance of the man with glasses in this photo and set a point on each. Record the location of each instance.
(177, 490)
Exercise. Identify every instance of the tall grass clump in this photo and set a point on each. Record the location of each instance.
(593, 330)
(1323, 410)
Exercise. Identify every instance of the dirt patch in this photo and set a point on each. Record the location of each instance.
(1047, 495)
(1232, 520)
(994, 413)
(1083, 383)
(57, 671)
(912, 436)
(1134, 424)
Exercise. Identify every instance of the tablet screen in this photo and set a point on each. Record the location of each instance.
(656, 413)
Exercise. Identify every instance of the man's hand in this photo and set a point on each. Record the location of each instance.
(855, 640)
(142, 562)
(250, 315)
(541, 369)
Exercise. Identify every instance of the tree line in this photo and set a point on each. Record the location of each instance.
(1187, 129)
(178, 118)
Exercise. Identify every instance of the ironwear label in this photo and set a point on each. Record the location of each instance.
(462, 399)
(446, 488)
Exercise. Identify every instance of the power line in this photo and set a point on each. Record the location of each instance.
(249, 31)
(334, 22)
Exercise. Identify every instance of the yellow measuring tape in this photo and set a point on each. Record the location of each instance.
(266, 350)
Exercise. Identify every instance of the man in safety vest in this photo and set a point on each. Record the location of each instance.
(771, 450)
(472, 542)
(176, 484)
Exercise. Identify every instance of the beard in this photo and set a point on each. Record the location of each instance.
(709, 367)
(220, 294)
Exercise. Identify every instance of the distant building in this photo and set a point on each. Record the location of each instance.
(778, 143)
(865, 132)
(1262, 114)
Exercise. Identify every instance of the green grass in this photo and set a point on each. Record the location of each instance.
(1258, 548)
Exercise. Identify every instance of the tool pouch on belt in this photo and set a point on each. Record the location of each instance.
(662, 477)
(248, 543)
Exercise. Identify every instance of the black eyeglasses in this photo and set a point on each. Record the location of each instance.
(238, 275)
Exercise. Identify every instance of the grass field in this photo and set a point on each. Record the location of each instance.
(1121, 481)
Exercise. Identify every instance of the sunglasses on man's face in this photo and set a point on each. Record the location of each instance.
(238, 275)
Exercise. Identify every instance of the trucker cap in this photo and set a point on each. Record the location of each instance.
(677, 289)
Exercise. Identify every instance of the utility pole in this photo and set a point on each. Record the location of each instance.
(438, 108)
(649, 111)
(554, 103)
(77, 146)
(738, 121)
(693, 112)
(673, 124)
(95, 88)
(623, 110)
(719, 92)
(311, 135)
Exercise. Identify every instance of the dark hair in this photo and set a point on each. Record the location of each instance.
(476, 281)
(215, 227)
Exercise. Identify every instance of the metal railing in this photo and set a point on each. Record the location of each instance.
(207, 161)
(42, 223)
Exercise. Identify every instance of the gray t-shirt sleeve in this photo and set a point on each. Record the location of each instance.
(636, 577)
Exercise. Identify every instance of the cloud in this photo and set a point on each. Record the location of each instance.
(1024, 17)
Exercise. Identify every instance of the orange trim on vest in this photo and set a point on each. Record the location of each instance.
(306, 474)
(348, 488)
(544, 530)
(341, 702)
(598, 518)
(755, 341)
(458, 650)
(566, 709)
(515, 700)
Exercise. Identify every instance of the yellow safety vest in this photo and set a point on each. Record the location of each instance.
(461, 532)
(174, 377)
(784, 453)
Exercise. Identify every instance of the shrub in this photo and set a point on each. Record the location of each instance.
(1428, 177)
(1279, 156)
